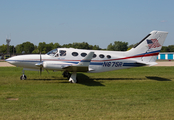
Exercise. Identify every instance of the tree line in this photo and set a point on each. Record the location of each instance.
(30, 48)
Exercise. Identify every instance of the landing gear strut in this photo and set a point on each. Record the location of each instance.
(23, 77)
(72, 78)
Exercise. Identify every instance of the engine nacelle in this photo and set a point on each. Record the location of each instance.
(55, 65)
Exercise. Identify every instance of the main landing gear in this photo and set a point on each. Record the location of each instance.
(72, 77)
(23, 77)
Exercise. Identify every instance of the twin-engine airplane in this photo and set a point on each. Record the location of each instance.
(71, 60)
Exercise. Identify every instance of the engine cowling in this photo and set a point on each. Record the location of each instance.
(55, 65)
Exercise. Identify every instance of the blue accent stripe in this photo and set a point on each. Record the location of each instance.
(149, 52)
(133, 64)
(96, 63)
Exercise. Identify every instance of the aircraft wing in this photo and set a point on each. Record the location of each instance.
(82, 66)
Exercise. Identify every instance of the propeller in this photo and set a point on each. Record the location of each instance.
(40, 64)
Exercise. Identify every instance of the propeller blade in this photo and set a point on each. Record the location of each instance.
(41, 64)
(47, 71)
(40, 70)
(40, 57)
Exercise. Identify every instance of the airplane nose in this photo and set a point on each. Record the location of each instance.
(11, 60)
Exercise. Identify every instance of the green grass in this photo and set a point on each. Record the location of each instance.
(137, 93)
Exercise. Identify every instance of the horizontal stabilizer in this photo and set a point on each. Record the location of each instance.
(147, 63)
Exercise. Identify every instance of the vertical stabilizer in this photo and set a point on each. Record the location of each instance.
(148, 49)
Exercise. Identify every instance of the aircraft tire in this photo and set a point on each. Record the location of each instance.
(70, 81)
(69, 75)
(77, 80)
(23, 77)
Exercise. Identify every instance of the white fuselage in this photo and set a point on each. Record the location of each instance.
(102, 61)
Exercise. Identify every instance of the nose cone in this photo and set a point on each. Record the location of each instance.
(13, 60)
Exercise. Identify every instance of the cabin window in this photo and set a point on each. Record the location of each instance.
(62, 53)
(83, 54)
(75, 54)
(101, 56)
(94, 55)
(108, 56)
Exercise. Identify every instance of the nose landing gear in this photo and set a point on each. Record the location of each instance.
(23, 77)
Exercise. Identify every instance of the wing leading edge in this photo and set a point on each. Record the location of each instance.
(82, 66)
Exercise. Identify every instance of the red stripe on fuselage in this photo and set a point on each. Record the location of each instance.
(144, 55)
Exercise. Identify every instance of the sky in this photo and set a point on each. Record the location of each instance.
(97, 22)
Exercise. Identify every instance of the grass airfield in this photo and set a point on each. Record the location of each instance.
(137, 93)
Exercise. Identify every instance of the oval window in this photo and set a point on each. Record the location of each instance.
(108, 56)
(74, 54)
(94, 55)
(101, 56)
(83, 54)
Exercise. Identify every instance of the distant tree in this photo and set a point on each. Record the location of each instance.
(28, 47)
(44, 48)
(35, 51)
(41, 46)
(12, 49)
(96, 47)
(67, 45)
(25, 47)
(118, 46)
(56, 45)
(19, 48)
(164, 49)
(131, 46)
(171, 48)
(48, 47)
(3, 49)
(83, 45)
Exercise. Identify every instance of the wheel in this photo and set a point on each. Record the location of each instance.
(66, 74)
(69, 75)
(23, 77)
(77, 80)
(70, 81)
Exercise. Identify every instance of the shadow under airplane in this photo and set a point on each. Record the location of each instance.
(82, 79)
(85, 80)
(157, 78)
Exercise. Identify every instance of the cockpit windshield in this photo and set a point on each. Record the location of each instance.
(55, 53)
(52, 52)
